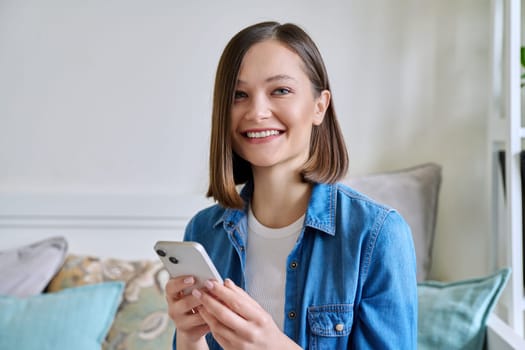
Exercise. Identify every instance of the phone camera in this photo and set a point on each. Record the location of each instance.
(161, 252)
(173, 260)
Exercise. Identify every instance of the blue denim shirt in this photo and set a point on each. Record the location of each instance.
(351, 277)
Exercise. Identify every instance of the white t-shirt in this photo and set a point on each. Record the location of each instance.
(266, 254)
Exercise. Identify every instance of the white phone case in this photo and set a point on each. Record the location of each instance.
(187, 258)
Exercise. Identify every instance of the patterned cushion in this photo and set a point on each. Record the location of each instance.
(142, 321)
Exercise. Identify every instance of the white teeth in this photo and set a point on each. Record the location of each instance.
(261, 134)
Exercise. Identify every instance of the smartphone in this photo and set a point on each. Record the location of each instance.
(187, 258)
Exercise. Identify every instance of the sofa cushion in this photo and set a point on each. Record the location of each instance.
(27, 270)
(76, 318)
(454, 315)
(414, 193)
(142, 321)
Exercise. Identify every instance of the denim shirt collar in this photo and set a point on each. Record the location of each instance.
(320, 213)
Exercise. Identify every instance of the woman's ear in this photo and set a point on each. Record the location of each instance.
(321, 105)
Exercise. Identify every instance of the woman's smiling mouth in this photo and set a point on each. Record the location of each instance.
(261, 134)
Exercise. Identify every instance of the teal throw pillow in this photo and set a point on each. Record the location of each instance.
(453, 315)
(75, 318)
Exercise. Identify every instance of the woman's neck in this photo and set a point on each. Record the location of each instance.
(279, 199)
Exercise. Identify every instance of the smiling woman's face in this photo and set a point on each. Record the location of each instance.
(274, 108)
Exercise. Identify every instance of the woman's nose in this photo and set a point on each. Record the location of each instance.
(259, 108)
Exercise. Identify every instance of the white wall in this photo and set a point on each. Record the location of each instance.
(112, 98)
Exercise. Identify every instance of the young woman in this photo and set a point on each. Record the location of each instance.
(309, 263)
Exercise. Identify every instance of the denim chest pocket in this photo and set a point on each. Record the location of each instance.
(330, 326)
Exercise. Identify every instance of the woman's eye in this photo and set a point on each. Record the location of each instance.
(239, 94)
(281, 91)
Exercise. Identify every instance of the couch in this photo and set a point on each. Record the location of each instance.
(51, 298)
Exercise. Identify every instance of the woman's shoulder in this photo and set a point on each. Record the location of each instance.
(337, 206)
(211, 213)
(203, 221)
(348, 193)
(385, 227)
(362, 203)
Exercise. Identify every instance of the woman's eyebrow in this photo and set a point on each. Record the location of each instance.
(278, 77)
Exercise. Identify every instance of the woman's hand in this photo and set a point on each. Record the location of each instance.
(237, 321)
(182, 309)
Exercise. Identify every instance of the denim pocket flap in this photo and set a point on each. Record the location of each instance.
(331, 320)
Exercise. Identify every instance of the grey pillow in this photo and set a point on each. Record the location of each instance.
(414, 193)
(26, 270)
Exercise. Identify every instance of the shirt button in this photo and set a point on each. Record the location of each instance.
(339, 327)
(293, 265)
(292, 315)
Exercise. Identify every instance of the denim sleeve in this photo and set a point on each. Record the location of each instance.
(387, 312)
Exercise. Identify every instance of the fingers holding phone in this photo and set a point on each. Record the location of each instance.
(189, 266)
(237, 321)
(183, 308)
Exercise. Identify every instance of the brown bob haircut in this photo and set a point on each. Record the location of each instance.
(328, 161)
